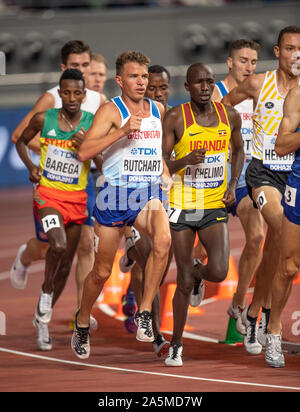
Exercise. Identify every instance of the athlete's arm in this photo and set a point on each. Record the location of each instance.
(247, 89)
(35, 126)
(237, 153)
(105, 130)
(288, 141)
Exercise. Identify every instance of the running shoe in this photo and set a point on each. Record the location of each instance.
(274, 355)
(18, 272)
(236, 313)
(262, 328)
(161, 346)
(43, 338)
(250, 338)
(143, 322)
(129, 303)
(198, 291)
(80, 342)
(174, 357)
(126, 264)
(130, 325)
(43, 310)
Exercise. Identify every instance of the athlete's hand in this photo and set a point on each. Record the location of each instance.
(166, 182)
(78, 138)
(229, 197)
(196, 157)
(35, 174)
(133, 124)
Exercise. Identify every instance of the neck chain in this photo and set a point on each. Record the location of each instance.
(67, 120)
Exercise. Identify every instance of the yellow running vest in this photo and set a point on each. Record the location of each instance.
(202, 186)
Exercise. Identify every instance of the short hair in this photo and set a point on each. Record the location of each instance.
(156, 68)
(74, 47)
(285, 30)
(99, 59)
(72, 74)
(243, 44)
(130, 56)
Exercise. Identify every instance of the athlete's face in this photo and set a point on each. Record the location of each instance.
(158, 88)
(97, 76)
(133, 80)
(200, 84)
(242, 63)
(72, 94)
(78, 61)
(288, 51)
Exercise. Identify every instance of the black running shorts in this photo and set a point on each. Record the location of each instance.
(258, 175)
(196, 219)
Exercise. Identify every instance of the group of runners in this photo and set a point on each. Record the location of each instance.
(167, 175)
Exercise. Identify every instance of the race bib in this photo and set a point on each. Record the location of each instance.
(271, 160)
(290, 195)
(62, 165)
(209, 174)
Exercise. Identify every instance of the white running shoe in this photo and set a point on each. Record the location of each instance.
(43, 338)
(174, 357)
(127, 264)
(262, 328)
(274, 355)
(143, 321)
(80, 342)
(43, 310)
(251, 343)
(161, 346)
(198, 291)
(18, 272)
(236, 313)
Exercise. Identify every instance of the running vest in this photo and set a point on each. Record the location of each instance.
(266, 119)
(202, 186)
(245, 109)
(296, 163)
(60, 166)
(135, 160)
(91, 103)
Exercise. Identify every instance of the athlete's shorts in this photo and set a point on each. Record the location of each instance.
(291, 199)
(71, 205)
(118, 206)
(258, 175)
(240, 193)
(91, 200)
(196, 219)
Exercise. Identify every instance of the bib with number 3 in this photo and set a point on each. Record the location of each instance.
(290, 195)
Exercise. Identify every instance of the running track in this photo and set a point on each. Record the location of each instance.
(118, 362)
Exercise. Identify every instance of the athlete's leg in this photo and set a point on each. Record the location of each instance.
(35, 250)
(62, 274)
(270, 200)
(289, 268)
(109, 240)
(253, 225)
(182, 242)
(216, 242)
(153, 221)
(85, 255)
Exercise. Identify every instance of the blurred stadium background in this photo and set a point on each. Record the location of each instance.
(173, 33)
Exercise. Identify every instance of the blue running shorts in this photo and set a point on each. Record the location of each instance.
(291, 199)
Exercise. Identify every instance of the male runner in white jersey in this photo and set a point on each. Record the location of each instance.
(288, 141)
(241, 61)
(129, 134)
(266, 174)
(74, 54)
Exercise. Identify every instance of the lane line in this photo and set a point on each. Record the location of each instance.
(169, 375)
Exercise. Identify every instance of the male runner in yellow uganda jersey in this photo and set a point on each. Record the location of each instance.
(199, 132)
(60, 197)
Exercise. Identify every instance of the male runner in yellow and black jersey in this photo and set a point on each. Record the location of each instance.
(199, 133)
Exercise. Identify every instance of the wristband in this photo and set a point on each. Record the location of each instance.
(234, 178)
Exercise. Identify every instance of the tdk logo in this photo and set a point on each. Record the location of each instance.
(212, 159)
(146, 151)
(65, 154)
(247, 130)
